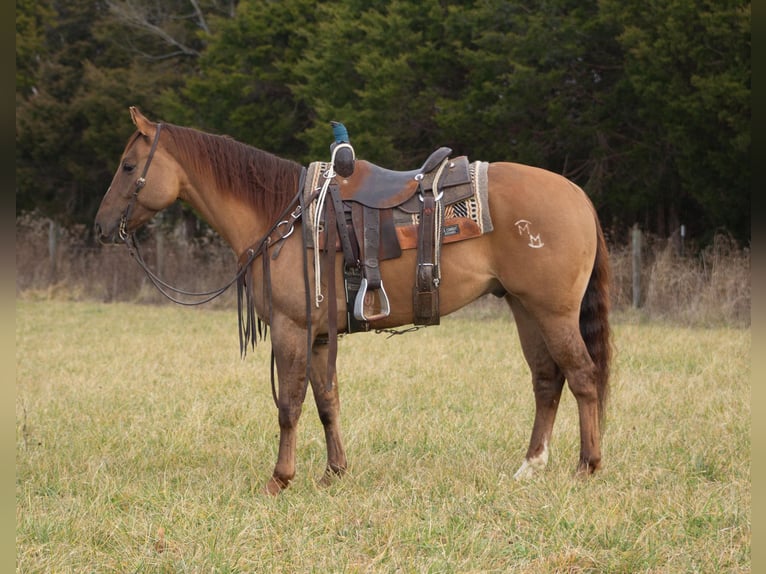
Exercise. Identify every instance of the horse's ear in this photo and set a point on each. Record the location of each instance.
(142, 123)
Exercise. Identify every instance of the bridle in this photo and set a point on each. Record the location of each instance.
(129, 238)
(140, 183)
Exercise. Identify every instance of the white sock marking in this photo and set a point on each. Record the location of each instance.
(532, 466)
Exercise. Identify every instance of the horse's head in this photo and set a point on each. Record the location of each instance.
(146, 182)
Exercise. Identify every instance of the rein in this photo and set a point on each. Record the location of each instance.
(258, 248)
(166, 289)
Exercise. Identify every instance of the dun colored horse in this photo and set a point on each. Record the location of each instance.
(546, 255)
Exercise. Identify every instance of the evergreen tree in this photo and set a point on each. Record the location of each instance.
(83, 64)
(684, 108)
(646, 105)
(381, 68)
(242, 86)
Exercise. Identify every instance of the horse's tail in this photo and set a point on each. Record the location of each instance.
(594, 319)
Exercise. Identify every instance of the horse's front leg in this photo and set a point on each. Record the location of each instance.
(289, 344)
(328, 407)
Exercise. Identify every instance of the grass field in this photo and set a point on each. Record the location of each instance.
(142, 443)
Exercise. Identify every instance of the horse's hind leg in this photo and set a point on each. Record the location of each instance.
(328, 407)
(567, 348)
(547, 383)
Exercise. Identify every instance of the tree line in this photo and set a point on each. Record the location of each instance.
(644, 104)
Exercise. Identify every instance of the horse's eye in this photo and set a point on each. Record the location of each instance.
(128, 167)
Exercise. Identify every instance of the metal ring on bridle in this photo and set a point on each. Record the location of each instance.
(123, 231)
(289, 231)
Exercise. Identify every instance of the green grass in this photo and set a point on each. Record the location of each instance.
(143, 441)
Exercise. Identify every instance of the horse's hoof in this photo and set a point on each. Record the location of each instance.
(331, 475)
(528, 469)
(327, 479)
(274, 486)
(586, 468)
(533, 466)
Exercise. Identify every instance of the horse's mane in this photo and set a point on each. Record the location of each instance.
(261, 179)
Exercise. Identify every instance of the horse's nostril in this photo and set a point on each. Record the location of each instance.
(100, 234)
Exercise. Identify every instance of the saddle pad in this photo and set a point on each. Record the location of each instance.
(466, 218)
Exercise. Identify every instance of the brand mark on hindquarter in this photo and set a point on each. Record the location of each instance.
(525, 226)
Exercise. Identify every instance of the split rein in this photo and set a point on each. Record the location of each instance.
(206, 296)
(167, 289)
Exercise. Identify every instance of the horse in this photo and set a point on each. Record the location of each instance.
(546, 256)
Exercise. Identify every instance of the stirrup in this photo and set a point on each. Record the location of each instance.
(385, 308)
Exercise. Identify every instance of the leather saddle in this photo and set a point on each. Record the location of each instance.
(363, 228)
(380, 188)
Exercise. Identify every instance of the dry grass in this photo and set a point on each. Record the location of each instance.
(142, 442)
(710, 287)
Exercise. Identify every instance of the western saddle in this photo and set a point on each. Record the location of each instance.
(358, 219)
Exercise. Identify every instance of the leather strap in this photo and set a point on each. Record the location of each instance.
(331, 231)
(426, 291)
(371, 238)
(139, 185)
(349, 257)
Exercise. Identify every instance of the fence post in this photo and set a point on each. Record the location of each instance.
(53, 240)
(636, 234)
(683, 237)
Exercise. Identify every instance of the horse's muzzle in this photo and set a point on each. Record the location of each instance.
(105, 236)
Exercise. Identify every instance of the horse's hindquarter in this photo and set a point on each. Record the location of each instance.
(545, 235)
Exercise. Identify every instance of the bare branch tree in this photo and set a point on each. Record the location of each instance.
(137, 16)
(200, 16)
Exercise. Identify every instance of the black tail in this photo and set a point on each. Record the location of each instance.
(594, 320)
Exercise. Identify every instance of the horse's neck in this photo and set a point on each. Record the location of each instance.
(234, 220)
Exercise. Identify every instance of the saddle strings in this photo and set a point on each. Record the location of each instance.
(328, 175)
(439, 216)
